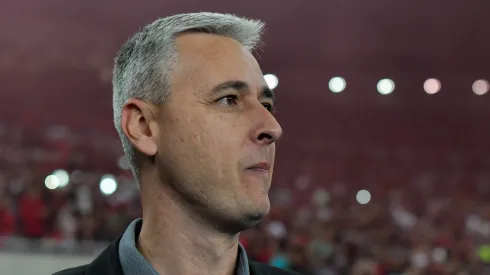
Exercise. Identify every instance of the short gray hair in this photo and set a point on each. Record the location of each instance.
(143, 64)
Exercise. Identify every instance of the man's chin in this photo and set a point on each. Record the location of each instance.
(256, 213)
(254, 218)
(243, 218)
(245, 221)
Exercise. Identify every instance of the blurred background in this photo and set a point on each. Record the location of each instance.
(384, 167)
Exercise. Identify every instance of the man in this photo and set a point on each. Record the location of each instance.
(195, 118)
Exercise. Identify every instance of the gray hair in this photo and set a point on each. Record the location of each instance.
(143, 64)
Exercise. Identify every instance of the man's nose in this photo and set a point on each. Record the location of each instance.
(267, 129)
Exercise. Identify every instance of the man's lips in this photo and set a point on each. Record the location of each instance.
(260, 167)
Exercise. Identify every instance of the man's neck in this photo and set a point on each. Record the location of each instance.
(175, 242)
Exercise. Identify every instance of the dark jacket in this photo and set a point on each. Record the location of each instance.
(107, 263)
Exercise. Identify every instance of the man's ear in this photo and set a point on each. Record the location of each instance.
(140, 126)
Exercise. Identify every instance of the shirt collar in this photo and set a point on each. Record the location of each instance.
(132, 262)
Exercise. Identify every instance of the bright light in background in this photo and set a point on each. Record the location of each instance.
(386, 86)
(432, 86)
(277, 229)
(63, 177)
(337, 84)
(271, 80)
(480, 87)
(363, 196)
(52, 182)
(108, 185)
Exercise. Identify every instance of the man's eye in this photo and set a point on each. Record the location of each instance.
(269, 107)
(229, 100)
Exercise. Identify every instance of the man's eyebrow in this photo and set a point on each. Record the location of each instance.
(243, 87)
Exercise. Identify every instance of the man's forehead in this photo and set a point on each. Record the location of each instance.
(209, 59)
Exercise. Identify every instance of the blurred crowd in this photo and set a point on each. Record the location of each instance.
(412, 218)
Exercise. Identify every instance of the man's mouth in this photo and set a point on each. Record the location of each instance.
(260, 167)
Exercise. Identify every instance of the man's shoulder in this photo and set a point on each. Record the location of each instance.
(79, 270)
(270, 270)
(107, 263)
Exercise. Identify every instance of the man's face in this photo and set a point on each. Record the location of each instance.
(217, 135)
